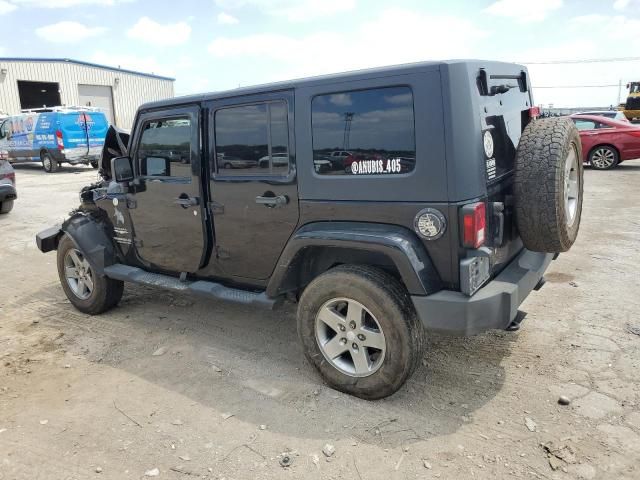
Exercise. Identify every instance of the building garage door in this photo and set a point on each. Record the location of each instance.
(99, 96)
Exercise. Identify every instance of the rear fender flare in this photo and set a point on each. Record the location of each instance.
(397, 245)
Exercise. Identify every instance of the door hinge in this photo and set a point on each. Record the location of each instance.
(216, 208)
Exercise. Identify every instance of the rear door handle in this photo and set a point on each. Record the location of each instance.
(185, 201)
(272, 201)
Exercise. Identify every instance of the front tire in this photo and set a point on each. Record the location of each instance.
(604, 158)
(358, 327)
(6, 206)
(88, 292)
(48, 163)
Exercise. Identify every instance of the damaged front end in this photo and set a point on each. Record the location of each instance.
(93, 224)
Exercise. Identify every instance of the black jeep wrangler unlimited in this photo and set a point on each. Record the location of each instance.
(442, 209)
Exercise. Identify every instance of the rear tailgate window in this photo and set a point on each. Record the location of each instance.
(80, 128)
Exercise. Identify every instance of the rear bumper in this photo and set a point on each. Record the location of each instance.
(494, 306)
(7, 192)
(81, 155)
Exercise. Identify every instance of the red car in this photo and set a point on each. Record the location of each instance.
(607, 142)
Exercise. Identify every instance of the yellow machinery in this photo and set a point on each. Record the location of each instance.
(631, 108)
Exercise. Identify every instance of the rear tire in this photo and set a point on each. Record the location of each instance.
(372, 357)
(604, 157)
(6, 206)
(76, 276)
(548, 185)
(48, 163)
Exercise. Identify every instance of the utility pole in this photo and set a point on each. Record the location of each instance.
(619, 91)
(348, 118)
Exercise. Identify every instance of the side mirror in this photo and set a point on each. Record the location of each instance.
(121, 169)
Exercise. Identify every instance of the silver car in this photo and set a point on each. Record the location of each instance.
(7, 183)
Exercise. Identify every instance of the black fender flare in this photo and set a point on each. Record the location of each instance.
(89, 235)
(398, 245)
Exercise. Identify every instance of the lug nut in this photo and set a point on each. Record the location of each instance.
(343, 341)
(354, 346)
(352, 324)
(341, 327)
(361, 337)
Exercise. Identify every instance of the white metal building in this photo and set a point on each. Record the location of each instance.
(44, 82)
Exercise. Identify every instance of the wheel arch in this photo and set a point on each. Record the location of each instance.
(91, 238)
(318, 247)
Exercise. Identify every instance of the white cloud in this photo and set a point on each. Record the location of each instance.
(618, 27)
(423, 37)
(6, 7)
(68, 32)
(67, 3)
(152, 32)
(226, 19)
(621, 5)
(293, 10)
(523, 10)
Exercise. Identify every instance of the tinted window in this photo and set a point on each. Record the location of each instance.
(252, 139)
(368, 132)
(165, 148)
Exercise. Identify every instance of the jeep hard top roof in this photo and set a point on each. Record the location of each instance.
(402, 69)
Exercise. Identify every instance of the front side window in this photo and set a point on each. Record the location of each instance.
(165, 148)
(252, 139)
(366, 132)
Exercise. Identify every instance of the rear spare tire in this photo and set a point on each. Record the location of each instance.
(548, 185)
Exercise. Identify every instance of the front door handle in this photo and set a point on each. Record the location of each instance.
(272, 201)
(186, 201)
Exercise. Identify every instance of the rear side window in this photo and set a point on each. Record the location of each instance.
(165, 148)
(252, 139)
(365, 132)
(583, 124)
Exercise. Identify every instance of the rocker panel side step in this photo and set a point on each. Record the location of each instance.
(201, 288)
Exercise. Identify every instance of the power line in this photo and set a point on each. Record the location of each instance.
(585, 60)
(577, 86)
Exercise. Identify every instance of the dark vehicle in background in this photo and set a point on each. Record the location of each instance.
(456, 204)
(606, 142)
(7, 183)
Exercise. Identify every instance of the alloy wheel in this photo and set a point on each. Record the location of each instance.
(571, 188)
(350, 337)
(78, 273)
(603, 158)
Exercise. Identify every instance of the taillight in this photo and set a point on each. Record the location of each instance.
(474, 223)
(59, 140)
(534, 112)
(11, 176)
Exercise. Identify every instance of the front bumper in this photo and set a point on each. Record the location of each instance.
(494, 306)
(7, 192)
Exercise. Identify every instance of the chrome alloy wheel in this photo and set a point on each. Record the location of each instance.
(571, 187)
(350, 337)
(78, 273)
(603, 158)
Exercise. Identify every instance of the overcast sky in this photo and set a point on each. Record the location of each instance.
(219, 44)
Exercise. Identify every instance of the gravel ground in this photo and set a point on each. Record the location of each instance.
(199, 389)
